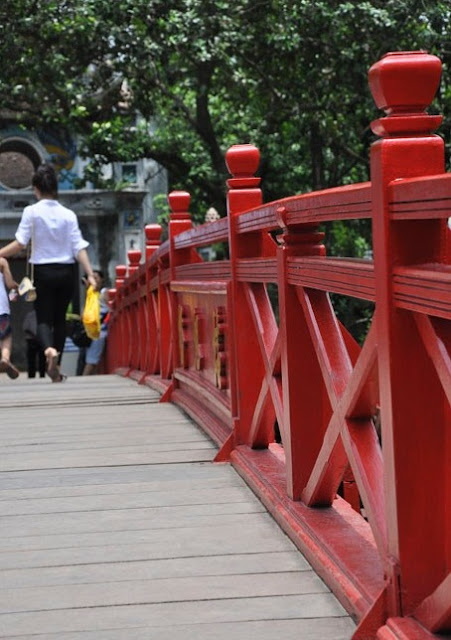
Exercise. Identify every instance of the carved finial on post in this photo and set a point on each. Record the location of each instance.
(121, 274)
(179, 221)
(134, 257)
(242, 161)
(179, 204)
(153, 238)
(403, 84)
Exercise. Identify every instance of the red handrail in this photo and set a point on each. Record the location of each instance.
(373, 420)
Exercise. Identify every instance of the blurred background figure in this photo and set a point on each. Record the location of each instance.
(35, 353)
(8, 291)
(211, 215)
(94, 352)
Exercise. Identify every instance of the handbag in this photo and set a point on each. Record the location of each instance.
(91, 313)
(76, 332)
(26, 287)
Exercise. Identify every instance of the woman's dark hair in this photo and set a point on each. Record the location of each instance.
(45, 180)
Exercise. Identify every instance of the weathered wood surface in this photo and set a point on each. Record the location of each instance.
(115, 525)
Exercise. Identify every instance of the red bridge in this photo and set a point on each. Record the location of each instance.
(372, 422)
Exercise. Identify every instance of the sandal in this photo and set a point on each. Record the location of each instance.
(53, 370)
(9, 369)
(60, 378)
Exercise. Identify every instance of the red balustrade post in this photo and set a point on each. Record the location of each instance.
(414, 412)
(121, 333)
(134, 259)
(111, 351)
(247, 367)
(112, 298)
(179, 221)
(153, 241)
(121, 274)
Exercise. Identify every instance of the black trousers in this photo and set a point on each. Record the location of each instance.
(54, 288)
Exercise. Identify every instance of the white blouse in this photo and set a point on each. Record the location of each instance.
(54, 233)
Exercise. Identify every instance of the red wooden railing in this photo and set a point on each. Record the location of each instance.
(205, 335)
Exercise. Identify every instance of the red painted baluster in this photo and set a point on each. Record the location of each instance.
(112, 298)
(179, 221)
(134, 258)
(111, 350)
(121, 274)
(141, 293)
(153, 238)
(414, 412)
(122, 336)
(306, 412)
(153, 241)
(242, 345)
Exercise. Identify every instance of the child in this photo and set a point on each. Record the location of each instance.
(93, 353)
(6, 281)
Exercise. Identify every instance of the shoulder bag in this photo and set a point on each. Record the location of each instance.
(26, 286)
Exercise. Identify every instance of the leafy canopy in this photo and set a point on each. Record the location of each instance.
(290, 77)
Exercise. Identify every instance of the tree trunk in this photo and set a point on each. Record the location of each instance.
(316, 152)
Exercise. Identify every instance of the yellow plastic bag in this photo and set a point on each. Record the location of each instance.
(91, 313)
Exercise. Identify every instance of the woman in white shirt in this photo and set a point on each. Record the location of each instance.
(56, 244)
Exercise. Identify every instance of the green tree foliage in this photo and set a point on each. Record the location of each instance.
(290, 77)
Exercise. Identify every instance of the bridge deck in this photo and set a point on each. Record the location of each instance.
(115, 525)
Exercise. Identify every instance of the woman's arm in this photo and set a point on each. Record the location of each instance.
(11, 249)
(83, 259)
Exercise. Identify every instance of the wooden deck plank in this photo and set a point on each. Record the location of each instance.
(295, 629)
(134, 591)
(185, 516)
(155, 616)
(218, 565)
(129, 500)
(115, 524)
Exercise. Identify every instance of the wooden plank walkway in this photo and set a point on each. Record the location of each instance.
(115, 525)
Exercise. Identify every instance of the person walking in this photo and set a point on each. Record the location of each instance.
(35, 353)
(6, 282)
(56, 245)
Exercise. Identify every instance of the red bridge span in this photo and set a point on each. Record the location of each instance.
(360, 477)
